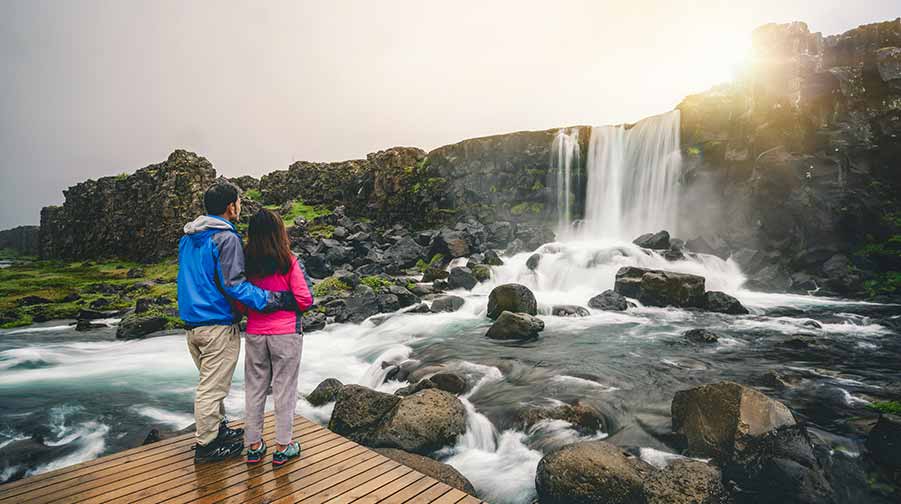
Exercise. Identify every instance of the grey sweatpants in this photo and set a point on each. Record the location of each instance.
(271, 359)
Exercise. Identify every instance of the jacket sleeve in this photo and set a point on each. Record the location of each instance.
(301, 286)
(231, 274)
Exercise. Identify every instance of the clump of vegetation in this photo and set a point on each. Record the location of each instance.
(890, 407)
(321, 230)
(376, 282)
(521, 208)
(331, 286)
(436, 260)
(253, 194)
(300, 209)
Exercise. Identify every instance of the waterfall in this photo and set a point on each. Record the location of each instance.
(633, 178)
(564, 167)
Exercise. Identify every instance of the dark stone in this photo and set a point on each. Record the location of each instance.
(653, 241)
(511, 297)
(700, 336)
(492, 259)
(419, 308)
(422, 423)
(32, 300)
(449, 382)
(515, 326)
(404, 253)
(432, 468)
(584, 417)
(532, 261)
(609, 300)
(449, 243)
(318, 267)
(569, 311)
(721, 302)
(325, 392)
(135, 273)
(405, 298)
(447, 304)
(313, 321)
(685, 481)
(433, 273)
(152, 437)
(360, 305)
(92, 314)
(660, 288)
(359, 411)
(461, 278)
(884, 441)
(86, 325)
(136, 326)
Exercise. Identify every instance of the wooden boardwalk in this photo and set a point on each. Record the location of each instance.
(330, 469)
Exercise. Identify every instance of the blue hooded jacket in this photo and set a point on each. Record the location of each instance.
(211, 275)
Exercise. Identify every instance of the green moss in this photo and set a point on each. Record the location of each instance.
(329, 287)
(410, 286)
(537, 186)
(122, 176)
(891, 407)
(376, 282)
(300, 209)
(694, 151)
(519, 208)
(253, 194)
(321, 230)
(481, 272)
(23, 320)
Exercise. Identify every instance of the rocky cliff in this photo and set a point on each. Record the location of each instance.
(22, 239)
(138, 216)
(801, 154)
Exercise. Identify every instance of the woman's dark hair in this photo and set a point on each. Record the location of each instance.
(268, 250)
(218, 196)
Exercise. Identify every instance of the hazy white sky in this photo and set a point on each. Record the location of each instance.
(94, 88)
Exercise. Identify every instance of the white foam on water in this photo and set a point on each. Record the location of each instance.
(90, 441)
(36, 329)
(581, 382)
(161, 416)
(7, 472)
(657, 458)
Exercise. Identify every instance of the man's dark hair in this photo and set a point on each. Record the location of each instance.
(217, 198)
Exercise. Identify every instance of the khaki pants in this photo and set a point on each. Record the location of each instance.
(215, 352)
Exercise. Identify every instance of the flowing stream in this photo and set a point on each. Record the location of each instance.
(88, 394)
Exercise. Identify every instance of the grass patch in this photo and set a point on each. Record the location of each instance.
(300, 209)
(253, 194)
(376, 282)
(435, 261)
(890, 407)
(329, 287)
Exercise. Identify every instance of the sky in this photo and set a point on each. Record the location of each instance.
(96, 88)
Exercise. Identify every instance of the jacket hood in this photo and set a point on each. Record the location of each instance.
(207, 223)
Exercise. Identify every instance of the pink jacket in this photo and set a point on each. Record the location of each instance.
(280, 322)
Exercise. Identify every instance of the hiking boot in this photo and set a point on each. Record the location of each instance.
(255, 456)
(217, 450)
(229, 435)
(282, 456)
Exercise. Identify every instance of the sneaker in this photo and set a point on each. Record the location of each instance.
(217, 450)
(254, 456)
(229, 435)
(280, 457)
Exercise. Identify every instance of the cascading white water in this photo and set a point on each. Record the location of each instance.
(564, 162)
(633, 178)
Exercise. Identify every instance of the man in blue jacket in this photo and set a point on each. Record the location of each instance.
(210, 278)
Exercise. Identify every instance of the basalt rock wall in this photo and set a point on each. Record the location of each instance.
(138, 216)
(21, 239)
(803, 154)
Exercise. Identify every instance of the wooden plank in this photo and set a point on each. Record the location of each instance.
(230, 484)
(167, 478)
(469, 499)
(362, 489)
(339, 487)
(433, 493)
(106, 479)
(285, 484)
(411, 491)
(451, 497)
(385, 491)
(131, 456)
(333, 476)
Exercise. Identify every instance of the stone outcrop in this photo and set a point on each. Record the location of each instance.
(515, 326)
(660, 288)
(138, 216)
(516, 298)
(430, 467)
(22, 239)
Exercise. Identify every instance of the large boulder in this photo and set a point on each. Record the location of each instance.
(359, 411)
(721, 302)
(404, 253)
(609, 300)
(717, 420)
(591, 472)
(423, 422)
(325, 392)
(430, 467)
(701, 336)
(461, 278)
(884, 442)
(653, 241)
(685, 481)
(511, 297)
(515, 326)
(135, 326)
(660, 288)
(584, 417)
(449, 243)
(362, 304)
(447, 303)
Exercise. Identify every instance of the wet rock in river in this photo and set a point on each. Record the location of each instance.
(325, 392)
(721, 302)
(447, 303)
(584, 417)
(422, 423)
(660, 288)
(700, 336)
(884, 442)
(137, 326)
(515, 326)
(461, 278)
(609, 301)
(685, 481)
(359, 411)
(570, 311)
(430, 467)
(653, 241)
(591, 472)
(532, 261)
(511, 297)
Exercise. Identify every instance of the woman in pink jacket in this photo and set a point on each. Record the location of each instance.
(274, 340)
